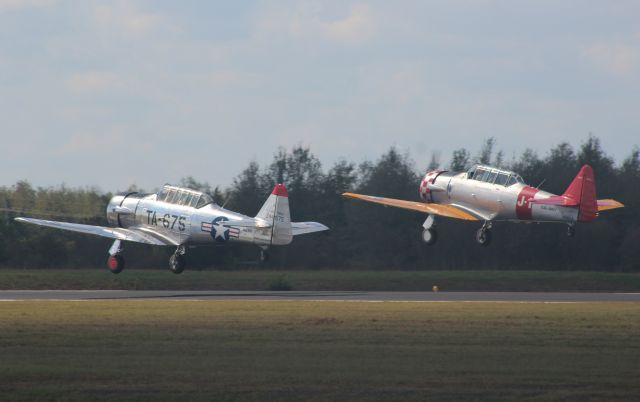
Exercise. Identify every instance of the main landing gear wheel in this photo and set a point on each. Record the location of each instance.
(177, 263)
(429, 236)
(115, 263)
(571, 230)
(264, 255)
(483, 235)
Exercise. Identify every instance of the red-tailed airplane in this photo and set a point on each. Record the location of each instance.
(181, 217)
(485, 193)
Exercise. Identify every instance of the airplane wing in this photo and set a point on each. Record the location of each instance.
(298, 228)
(604, 205)
(134, 235)
(449, 211)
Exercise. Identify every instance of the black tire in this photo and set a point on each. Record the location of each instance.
(483, 237)
(115, 263)
(177, 263)
(264, 256)
(429, 236)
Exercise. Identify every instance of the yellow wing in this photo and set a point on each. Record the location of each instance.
(434, 209)
(604, 205)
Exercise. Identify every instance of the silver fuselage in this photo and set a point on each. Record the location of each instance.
(180, 224)
(494, 201)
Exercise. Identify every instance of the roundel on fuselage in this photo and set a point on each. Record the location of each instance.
(219, 232)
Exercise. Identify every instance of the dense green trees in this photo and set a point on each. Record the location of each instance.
(362, 235)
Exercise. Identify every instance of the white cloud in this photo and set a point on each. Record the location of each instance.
(92, 81)
(307, 22)
(20, 4)
(126, 17)
(616, 59)
(356, 28)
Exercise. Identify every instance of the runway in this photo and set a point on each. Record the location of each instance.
(549, 297)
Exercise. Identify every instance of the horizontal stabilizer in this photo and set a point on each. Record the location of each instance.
(247, 223)
(298, 228)
(557, 200)
(604, 205)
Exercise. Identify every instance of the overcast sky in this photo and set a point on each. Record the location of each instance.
(146, 92)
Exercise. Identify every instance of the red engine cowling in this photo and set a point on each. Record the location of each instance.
(430, 177)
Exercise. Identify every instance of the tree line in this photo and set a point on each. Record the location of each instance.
(362, 236)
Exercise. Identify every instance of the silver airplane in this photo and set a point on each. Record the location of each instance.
(489, 194)
(181, 217)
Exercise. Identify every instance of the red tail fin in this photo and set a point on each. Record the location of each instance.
(582, 190)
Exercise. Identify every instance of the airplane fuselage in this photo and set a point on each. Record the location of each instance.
(493, 201)
(181, 224)
(485, 193)
(181, 217)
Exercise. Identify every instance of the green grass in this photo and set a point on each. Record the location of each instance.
(321, 280)
(237, 350)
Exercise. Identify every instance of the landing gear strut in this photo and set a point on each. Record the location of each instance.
(177, 260)
(115, 263)
(483, 235)
(429, 234)
(571, 230)
(264, 255)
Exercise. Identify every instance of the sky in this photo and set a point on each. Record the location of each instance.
(115, 93)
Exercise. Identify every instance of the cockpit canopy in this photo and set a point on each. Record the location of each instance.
(184, 196)
(493, 175)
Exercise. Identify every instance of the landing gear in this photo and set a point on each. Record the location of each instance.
(115, 263)
(483, 235)
(571, 230)
(177, 261)
(429, 234)
(264, 255)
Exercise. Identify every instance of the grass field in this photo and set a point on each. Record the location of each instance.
(321, 280)
(237, 350)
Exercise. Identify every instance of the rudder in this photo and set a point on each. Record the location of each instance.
(275, 211)
(582, 190)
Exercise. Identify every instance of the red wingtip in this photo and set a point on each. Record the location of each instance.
(280, 190)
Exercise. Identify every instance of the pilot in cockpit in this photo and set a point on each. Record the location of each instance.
(470, 173)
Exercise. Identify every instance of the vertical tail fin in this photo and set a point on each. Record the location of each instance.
(582, 190)
(275, 211)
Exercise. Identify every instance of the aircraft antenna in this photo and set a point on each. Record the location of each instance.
(541, 183)
(226, 200)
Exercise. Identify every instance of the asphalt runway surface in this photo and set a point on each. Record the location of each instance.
(551, 297)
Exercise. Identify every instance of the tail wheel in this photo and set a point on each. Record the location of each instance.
(264, 256)
(115, 263)
(177, 263)
(429, 236)
(483, 237)
(571, 231)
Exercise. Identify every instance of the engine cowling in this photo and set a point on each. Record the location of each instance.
(121, 209)
(429, 178)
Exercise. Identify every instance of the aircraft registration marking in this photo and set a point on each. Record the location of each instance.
(523, 206)
(167, 221)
